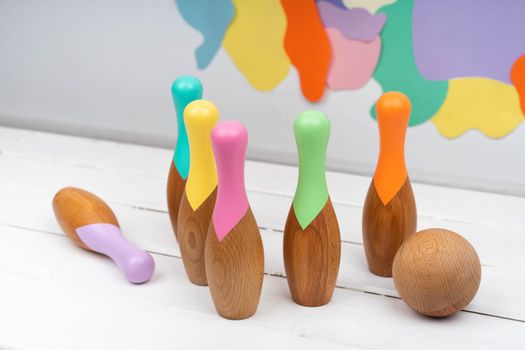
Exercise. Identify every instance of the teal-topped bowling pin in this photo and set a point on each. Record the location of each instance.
(184, 90)
(312, 244)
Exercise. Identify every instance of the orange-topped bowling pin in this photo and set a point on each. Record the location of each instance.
(389, 213)
(198, 199)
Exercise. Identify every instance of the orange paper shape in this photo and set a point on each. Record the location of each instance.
(307, 46)
(517, 76)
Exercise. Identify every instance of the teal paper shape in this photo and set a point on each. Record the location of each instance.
(211, 18)
(397, 70)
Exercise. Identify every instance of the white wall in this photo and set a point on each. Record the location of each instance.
(104, 68)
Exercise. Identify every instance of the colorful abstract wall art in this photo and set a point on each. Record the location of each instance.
(462, 63)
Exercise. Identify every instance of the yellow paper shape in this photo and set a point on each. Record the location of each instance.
(371, 5)
(254, 41)
(200, 116)
(488, 105)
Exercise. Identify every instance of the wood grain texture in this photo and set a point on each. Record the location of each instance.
(75, 207)
(235, 268)
(175, 189)
(386, 227)
(192, 229)
(312, 257)
(437, 272)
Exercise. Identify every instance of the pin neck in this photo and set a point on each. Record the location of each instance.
(312, 130)
(312, 192)
(232, 201)
(181, 157)
(108, 239)
(229, 141)
(184, 90)
(202, 176)
(200, 117)
(312, 179)
(391, 172)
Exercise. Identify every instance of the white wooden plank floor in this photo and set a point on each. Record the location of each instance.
(54, 295)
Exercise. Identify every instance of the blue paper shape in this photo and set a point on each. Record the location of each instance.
(210, 17)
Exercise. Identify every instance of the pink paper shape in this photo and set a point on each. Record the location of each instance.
(353, 61)
(354, 23)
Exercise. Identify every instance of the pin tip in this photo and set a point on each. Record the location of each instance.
(228, 131)
(201, 112)
(311, 120)
(393, 103)
(186, 87)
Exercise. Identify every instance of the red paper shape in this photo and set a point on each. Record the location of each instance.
(517, 76)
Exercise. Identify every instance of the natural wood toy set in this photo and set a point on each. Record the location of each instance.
(436, 272)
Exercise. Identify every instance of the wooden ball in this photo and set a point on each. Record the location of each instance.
(436, 272)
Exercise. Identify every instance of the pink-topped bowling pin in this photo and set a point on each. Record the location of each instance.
(234, 252)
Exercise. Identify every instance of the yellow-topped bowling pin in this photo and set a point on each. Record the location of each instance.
(389, 213)
(198, 199)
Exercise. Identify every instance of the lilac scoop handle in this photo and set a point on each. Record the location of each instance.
(107, 239)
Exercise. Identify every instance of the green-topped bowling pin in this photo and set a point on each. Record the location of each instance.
(183, 90)
(312, 245)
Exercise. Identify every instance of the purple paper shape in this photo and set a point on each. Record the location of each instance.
(468, 38)
(338, 3)
(354, 23)
(107, 239)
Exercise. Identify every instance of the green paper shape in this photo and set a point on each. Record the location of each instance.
(184, 90)
(312, 130)
(397, 70)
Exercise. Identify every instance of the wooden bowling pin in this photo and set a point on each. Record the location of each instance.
(389, 213)
(234, 251)
(183, 90)
(198, 199)
(90, 223)
(312, 244)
